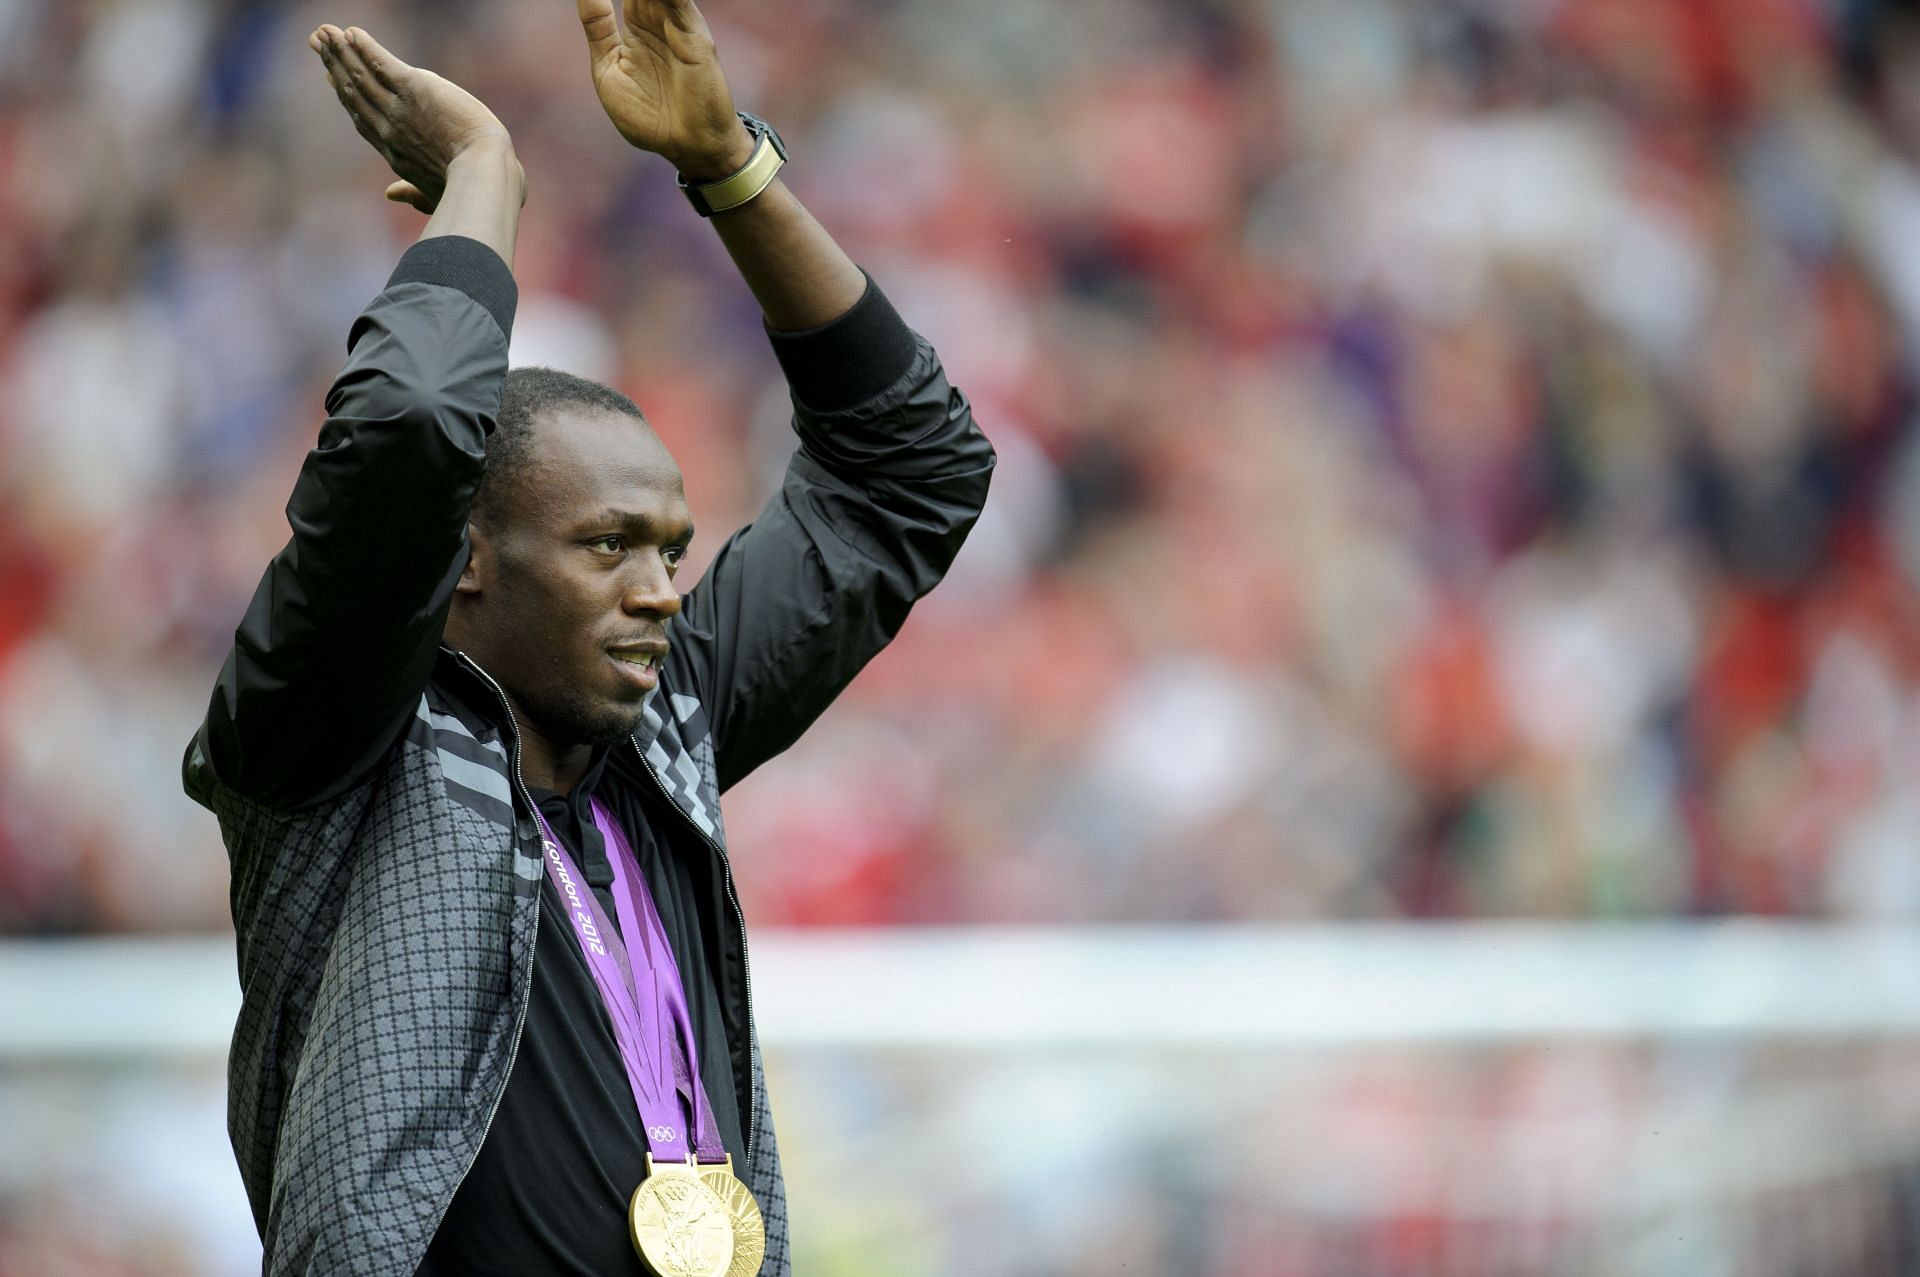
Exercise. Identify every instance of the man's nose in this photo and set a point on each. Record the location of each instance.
(650, 592)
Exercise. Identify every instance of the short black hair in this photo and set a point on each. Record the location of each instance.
(527, 394)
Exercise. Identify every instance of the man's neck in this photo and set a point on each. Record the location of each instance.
(545, 765)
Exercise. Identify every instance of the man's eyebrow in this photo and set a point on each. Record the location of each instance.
(682, 531)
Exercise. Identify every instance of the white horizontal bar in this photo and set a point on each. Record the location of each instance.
(1233, 986)
(1334, 985)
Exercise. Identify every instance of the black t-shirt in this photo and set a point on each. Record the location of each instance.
(548, 1193)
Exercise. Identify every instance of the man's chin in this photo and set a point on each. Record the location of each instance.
(615, 725)
(594, 725)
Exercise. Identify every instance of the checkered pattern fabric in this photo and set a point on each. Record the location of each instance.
(384, 991)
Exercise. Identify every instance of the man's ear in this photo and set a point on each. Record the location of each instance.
(479, 566)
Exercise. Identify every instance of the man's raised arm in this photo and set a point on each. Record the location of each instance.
(661, 84)
(341, 633)
(891, 471)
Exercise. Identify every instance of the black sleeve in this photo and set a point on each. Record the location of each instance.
(849, 360)
(889, 477)
(339, 639)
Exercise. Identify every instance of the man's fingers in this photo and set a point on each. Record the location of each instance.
(603, 33)
(644, 17)
(349, 89)
(353, 100)
(664, 21)
(321, 42)
(384, 67)
(684, 14)
(337, 77)
(332, 49)
(353, 56)
(408, 193)
(655, 12)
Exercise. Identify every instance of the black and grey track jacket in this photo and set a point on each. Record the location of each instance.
(385, 867)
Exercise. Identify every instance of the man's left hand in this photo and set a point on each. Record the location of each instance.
(661, 84)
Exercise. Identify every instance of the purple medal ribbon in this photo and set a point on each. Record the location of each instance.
(647, 1003)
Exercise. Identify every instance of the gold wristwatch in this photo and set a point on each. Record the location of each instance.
(753, 177)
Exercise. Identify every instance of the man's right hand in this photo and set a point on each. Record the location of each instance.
(421, 123)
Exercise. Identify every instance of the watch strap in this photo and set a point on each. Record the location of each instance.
(748, 180)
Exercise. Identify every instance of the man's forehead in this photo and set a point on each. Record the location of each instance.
(600, 448)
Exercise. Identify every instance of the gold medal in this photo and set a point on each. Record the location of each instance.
(680, 1226)
(749, 1230)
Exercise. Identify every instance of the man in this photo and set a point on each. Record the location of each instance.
(467, 693)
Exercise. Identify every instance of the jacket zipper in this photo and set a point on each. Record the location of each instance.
(520, 1023)
(740, 920)
(726, 880)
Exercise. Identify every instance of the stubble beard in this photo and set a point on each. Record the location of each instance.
(572, 720)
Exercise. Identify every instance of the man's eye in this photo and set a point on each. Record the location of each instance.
(673, 554)
(612, 544)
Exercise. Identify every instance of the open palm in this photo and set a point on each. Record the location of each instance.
(661, 84)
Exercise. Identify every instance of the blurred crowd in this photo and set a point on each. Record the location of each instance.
(1455, 454)
(1553, 1159)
